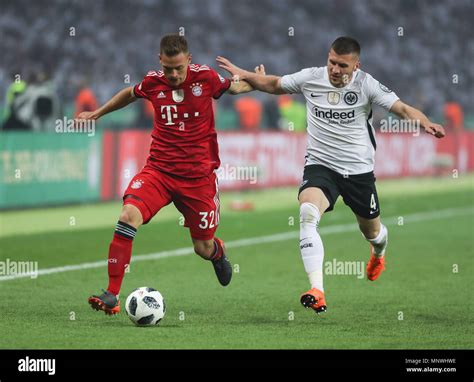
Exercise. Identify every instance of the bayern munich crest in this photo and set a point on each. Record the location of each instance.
(137, 184)
(197, 89)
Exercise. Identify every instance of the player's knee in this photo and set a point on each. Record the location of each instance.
(131, 215)
(316, 197)
(204, 248)
(309, 213)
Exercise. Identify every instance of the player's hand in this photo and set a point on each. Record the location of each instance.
(260, 69)
(435, 129)
(234, 70)
(87, 115)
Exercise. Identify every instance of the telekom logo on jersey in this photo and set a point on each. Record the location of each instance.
(168, 112)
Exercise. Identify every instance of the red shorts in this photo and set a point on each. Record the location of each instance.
(197, 199)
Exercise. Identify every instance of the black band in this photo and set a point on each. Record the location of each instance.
(125, 230)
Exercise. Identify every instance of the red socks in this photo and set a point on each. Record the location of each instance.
(217, 249)
(120, 253)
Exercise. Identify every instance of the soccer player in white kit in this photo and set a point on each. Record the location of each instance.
(340, 151)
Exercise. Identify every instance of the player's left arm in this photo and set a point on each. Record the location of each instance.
(238, 86)
(408, 112)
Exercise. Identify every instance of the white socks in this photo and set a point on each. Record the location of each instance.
(311, 245)
(380, 242)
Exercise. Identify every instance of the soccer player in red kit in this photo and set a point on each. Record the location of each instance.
(181, 165)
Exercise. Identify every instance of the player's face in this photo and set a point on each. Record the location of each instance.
(175, 68)
(341, 67)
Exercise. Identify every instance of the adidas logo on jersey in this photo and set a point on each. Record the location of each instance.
(331, 114)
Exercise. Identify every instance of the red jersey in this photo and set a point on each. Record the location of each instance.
(184, 138)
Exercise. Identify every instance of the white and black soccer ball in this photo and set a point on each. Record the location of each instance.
(145, 306)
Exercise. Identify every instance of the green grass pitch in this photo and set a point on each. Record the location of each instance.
(422, 301)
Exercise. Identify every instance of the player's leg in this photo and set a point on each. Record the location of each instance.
(204, 248)
(198, 201)
(313, 203)
(120, 250)
(377, 235)
(214, 251)
(120, 253)
(317, 195)
(144, 197)
(360, 194)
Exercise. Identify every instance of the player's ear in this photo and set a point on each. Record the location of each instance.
(190, 56)
(357, 65)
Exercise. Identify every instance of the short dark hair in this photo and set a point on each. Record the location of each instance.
(346, 45)
(173, 44)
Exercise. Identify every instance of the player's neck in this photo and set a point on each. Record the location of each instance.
(344, 83)
(185, 79)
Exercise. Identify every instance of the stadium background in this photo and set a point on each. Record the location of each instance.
(77, 58)
(60, 192)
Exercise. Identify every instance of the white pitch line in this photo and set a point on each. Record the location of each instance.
(338, 228)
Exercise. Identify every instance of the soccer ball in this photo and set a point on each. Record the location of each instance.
(145, 306)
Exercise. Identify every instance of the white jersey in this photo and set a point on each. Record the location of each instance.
(340, 132)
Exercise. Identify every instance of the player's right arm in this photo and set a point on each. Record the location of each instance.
(265, 83)
(118, 101)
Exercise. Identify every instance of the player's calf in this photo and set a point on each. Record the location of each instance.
(378, 245)
(375, 233)
(204, 248)
(214, 250)
(379, 241)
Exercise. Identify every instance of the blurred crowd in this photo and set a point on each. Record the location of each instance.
(63, 56)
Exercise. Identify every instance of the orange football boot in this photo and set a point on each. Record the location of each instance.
(314, 299)
(375, 266)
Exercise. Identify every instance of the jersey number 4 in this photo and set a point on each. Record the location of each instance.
(373, 205)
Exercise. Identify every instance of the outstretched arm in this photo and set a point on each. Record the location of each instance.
(408, 112)
(264, 83)
(118, 101)
(238, 86)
